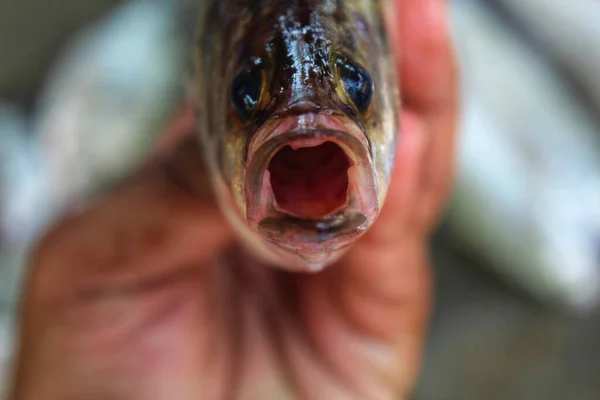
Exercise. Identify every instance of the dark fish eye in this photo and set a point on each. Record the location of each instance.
(245, 91)
(357, 83)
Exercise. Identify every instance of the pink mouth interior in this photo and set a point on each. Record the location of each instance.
(310, 182)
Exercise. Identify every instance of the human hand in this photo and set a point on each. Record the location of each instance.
(131, 299)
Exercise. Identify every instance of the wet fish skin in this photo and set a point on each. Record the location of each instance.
(297, 46)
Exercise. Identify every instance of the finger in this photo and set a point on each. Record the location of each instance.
(396, 215)
(387, 268)
(428, 76)
(120, 267)
(181, 127)
(425, 57)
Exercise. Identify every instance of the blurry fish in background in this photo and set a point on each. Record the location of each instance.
(569, 32)
(527, 198)
(108, 97)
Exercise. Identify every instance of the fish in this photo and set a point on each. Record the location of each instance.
(298, 122)
(574, 47)
(106, 98)
(527, 193)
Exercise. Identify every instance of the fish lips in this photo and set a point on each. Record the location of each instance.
(317, 241)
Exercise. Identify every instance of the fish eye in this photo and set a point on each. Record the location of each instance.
(357, 83)
(245, 91)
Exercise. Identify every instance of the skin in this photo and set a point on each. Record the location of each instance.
(125, 300)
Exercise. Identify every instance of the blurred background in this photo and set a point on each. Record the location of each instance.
(517, 256)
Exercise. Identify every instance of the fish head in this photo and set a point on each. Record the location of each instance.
(299, 123)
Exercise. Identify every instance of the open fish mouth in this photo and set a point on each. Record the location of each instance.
(309, 177)
(310, 180)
